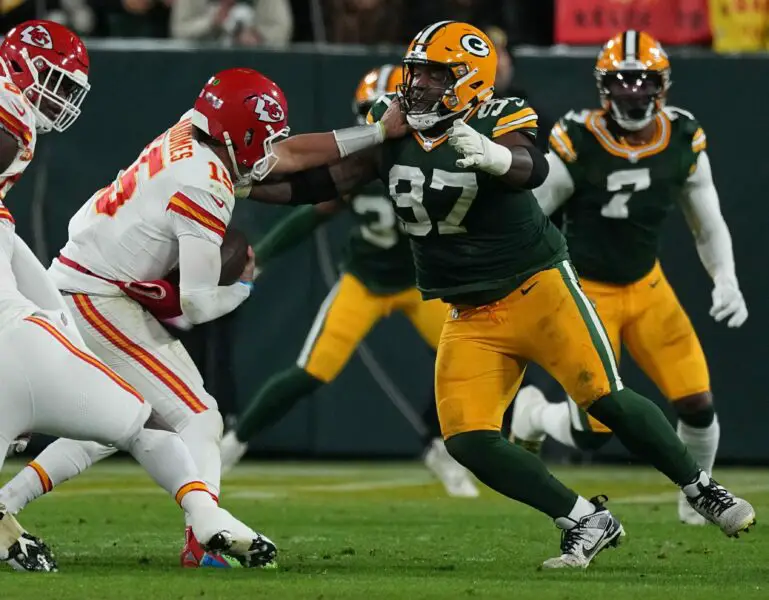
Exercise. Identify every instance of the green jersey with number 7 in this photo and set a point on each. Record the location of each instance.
(474, 238)
(622, 193)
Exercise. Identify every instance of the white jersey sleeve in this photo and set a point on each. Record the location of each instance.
(202, 298)
(702, 210)
(200, 211)
(557, 188)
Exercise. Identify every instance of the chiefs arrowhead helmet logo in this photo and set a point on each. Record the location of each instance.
(268, 109)
(37, 35)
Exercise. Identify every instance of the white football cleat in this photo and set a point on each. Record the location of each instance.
(687, 515)
(582, 540)
(714, 502)
(22, 551)
(525, 430)
(232, 450)
(457, 480)
(219, 532)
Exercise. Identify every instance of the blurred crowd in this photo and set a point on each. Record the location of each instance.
(726, 25)
(278, 22)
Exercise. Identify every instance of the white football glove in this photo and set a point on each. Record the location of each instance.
(728, 302)
(479, 151)
(18, 445)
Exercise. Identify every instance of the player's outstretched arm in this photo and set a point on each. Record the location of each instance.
(321, 184)
(309, 150)
(702, 210)
(512, 157)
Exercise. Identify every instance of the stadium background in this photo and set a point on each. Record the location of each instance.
(139, 87)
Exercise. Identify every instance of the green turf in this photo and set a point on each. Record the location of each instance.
(384, 531)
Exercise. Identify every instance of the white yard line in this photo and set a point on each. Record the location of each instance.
(667, 497)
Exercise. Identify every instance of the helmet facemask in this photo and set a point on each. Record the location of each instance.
(632, 97)
(428, 92)
(55, 94)
(262, 166)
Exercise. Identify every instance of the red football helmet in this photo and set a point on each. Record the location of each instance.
(49, 64)
(247, 112)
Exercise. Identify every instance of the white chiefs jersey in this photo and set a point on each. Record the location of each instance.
(18, 120)
(129, 230)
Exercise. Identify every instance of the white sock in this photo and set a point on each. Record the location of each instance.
(202, 435)
(60, 461)
(555, 420)
(167, 460)
(701, 442)
(582, 508)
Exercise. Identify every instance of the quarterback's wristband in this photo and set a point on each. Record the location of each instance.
(360, 137)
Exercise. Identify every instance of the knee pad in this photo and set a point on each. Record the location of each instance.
(696, 411)
(207, 425)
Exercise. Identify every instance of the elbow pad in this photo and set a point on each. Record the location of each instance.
(539, 169)
(312, 186)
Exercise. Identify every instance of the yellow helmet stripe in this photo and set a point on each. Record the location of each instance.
(630, 45)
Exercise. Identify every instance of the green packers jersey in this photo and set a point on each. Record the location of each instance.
(474, 239)
(622, 193)
(378, 252)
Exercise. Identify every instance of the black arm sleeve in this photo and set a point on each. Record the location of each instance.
(539, 170)
(312, 186)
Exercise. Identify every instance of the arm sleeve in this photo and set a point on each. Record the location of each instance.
(558, 186)
(288, 232)
(202, 299)
(702, 210)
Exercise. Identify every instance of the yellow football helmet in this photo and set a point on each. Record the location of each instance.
(633, 77)
(375, 83)
(464, 64)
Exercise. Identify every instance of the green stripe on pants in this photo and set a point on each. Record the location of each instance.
(594, 326)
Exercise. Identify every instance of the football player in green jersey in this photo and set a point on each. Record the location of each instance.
(461, 186)
(618, 172)
(377, 279)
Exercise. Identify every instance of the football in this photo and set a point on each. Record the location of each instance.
(234, 252)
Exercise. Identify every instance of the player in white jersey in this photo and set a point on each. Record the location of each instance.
(171, 208)
(51, 382)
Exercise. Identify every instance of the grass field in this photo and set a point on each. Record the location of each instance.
(368, 531)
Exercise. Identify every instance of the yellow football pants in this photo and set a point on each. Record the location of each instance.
(483, 351)
(347, 315)
(648, 319)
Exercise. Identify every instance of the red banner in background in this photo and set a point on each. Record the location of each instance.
(593, 22)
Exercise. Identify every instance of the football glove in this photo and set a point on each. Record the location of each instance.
(728, 303)
(479, 152)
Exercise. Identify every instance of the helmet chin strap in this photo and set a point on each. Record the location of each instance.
(240, 179)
